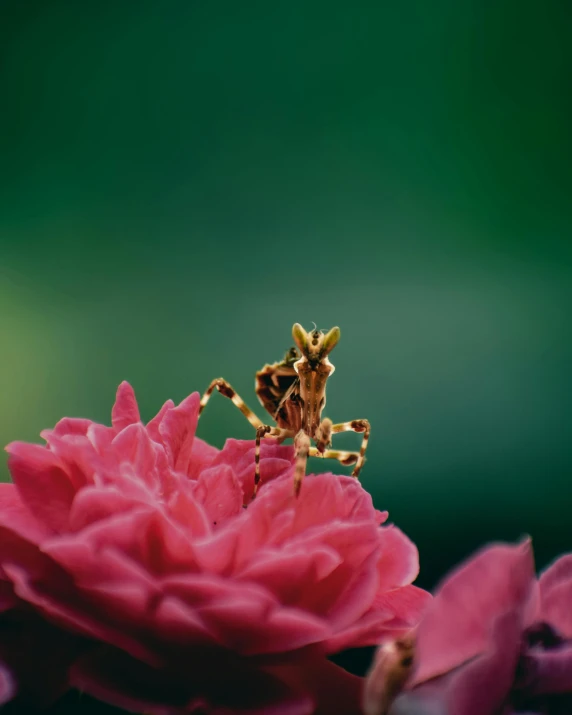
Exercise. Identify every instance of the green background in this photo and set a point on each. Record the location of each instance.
(181, 181)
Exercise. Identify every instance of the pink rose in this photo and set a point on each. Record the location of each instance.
(144, 539)
(494, 641)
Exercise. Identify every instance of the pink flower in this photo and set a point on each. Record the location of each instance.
(494, 641)
(145, 539)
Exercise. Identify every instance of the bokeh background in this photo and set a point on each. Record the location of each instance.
(180, 181)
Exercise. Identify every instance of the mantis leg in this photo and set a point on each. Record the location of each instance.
(359, 426)
(228, 391)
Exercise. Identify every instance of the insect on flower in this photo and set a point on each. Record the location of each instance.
(293, 391)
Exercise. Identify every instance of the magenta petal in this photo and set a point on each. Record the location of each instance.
(392, 616)
(198, 589)
(72, 425)
(154, 424)
(402, 608)
(288, 629)
(220, 493)
(202, 456)
(42, 483)
(94, 504)
(185, 509)
(556, 595)
(481, 687)
(178, 431)
(399, 561)
(77, 454)
(290, 571)
(15, 516)
(355, 599)
(367, 631)
(176, 622)
(100, 437)
(125, 411)
(136, 448)
(456, 626)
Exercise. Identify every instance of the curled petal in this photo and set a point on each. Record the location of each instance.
(72, 425)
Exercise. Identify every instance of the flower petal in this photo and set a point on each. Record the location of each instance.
(72, 425)
(399, 561)
(556, 595)
(42, 482)
(178, 428)
(481, 687)
(125, 411)
(15, 516)
(220, 494)
(456, 626)
(136, 448)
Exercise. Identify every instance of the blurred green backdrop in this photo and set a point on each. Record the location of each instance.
(182, 180)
